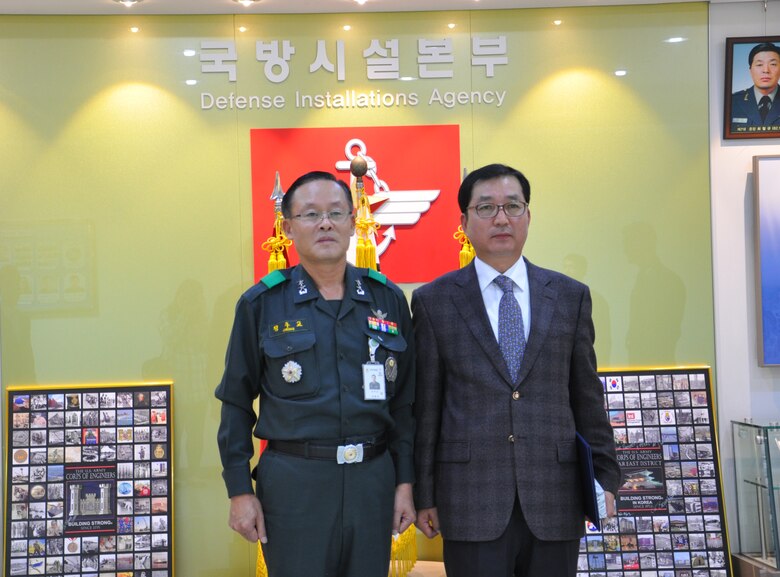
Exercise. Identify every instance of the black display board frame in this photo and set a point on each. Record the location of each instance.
(89, 480)
(671, 516)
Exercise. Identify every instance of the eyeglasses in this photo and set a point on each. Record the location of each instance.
(490, 210)
(314, 217)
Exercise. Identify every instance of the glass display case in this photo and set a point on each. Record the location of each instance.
(757, 464)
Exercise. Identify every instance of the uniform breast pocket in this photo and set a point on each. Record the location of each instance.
(291, 365)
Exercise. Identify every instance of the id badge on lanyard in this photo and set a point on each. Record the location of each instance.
(374, 387)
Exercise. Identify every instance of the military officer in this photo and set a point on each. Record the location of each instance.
(335, 480)
(759, 105)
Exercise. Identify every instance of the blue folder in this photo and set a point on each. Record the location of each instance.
(588, 479)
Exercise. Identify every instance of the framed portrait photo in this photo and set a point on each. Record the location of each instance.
(752, 100)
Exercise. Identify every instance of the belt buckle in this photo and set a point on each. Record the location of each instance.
(348, 454)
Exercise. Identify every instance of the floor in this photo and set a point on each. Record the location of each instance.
(427, 569)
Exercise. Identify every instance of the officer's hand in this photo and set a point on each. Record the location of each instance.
(403, 513)
(246, 518)
(428, 522)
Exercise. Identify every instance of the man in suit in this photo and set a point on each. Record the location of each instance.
(758, 105)
(506, 374)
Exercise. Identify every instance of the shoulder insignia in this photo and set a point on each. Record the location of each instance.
(273, 278)
(377, 276)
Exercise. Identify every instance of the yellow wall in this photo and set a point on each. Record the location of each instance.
(103, 146)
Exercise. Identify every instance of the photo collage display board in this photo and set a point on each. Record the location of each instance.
(671, 520)
(89, 480)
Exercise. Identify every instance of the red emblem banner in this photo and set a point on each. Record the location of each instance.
(414, 177)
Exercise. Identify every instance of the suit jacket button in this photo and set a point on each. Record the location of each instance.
(511, 438)
(516, 395)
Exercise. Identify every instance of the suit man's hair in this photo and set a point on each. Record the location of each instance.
(763, 47)
(310, 177)
(489, 172)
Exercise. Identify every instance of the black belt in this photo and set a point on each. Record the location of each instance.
(342, 454)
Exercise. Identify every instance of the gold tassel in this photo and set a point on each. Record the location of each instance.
(281, 262)
(260, 569)
(370, 255)
(365, 224)
(276, 245)
(403, 553)
(365, 227)
(467, 253)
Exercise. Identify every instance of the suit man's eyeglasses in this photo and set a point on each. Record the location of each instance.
(490, 210)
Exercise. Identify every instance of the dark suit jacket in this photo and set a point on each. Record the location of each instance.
(467, 408)
(744, 110)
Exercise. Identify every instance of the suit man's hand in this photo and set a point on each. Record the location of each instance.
(246, 518)
(428, 522)
(403, 512)
(609, 500)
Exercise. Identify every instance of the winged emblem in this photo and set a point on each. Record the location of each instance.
(389, 207)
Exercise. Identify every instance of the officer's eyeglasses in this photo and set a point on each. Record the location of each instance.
(314, 217)
(490, 210)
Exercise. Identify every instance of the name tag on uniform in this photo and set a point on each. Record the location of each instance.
(374, 382)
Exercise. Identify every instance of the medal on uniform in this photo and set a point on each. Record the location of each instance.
(379, 323)
(373, 375)
(391, 368)
(292, 372)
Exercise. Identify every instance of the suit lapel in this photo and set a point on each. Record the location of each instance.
(469, 303)
(542, 308)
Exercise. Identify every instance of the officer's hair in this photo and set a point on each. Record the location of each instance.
(489, 172)
(310, 177)
(763, 47)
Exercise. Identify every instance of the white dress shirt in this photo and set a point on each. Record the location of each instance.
(492, 293)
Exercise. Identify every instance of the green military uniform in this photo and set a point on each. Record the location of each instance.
(303, 357)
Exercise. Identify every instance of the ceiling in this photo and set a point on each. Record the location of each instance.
(109, 7)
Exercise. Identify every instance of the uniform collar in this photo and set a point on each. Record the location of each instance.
(303, 286)
(758, 94)
(355, 285)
